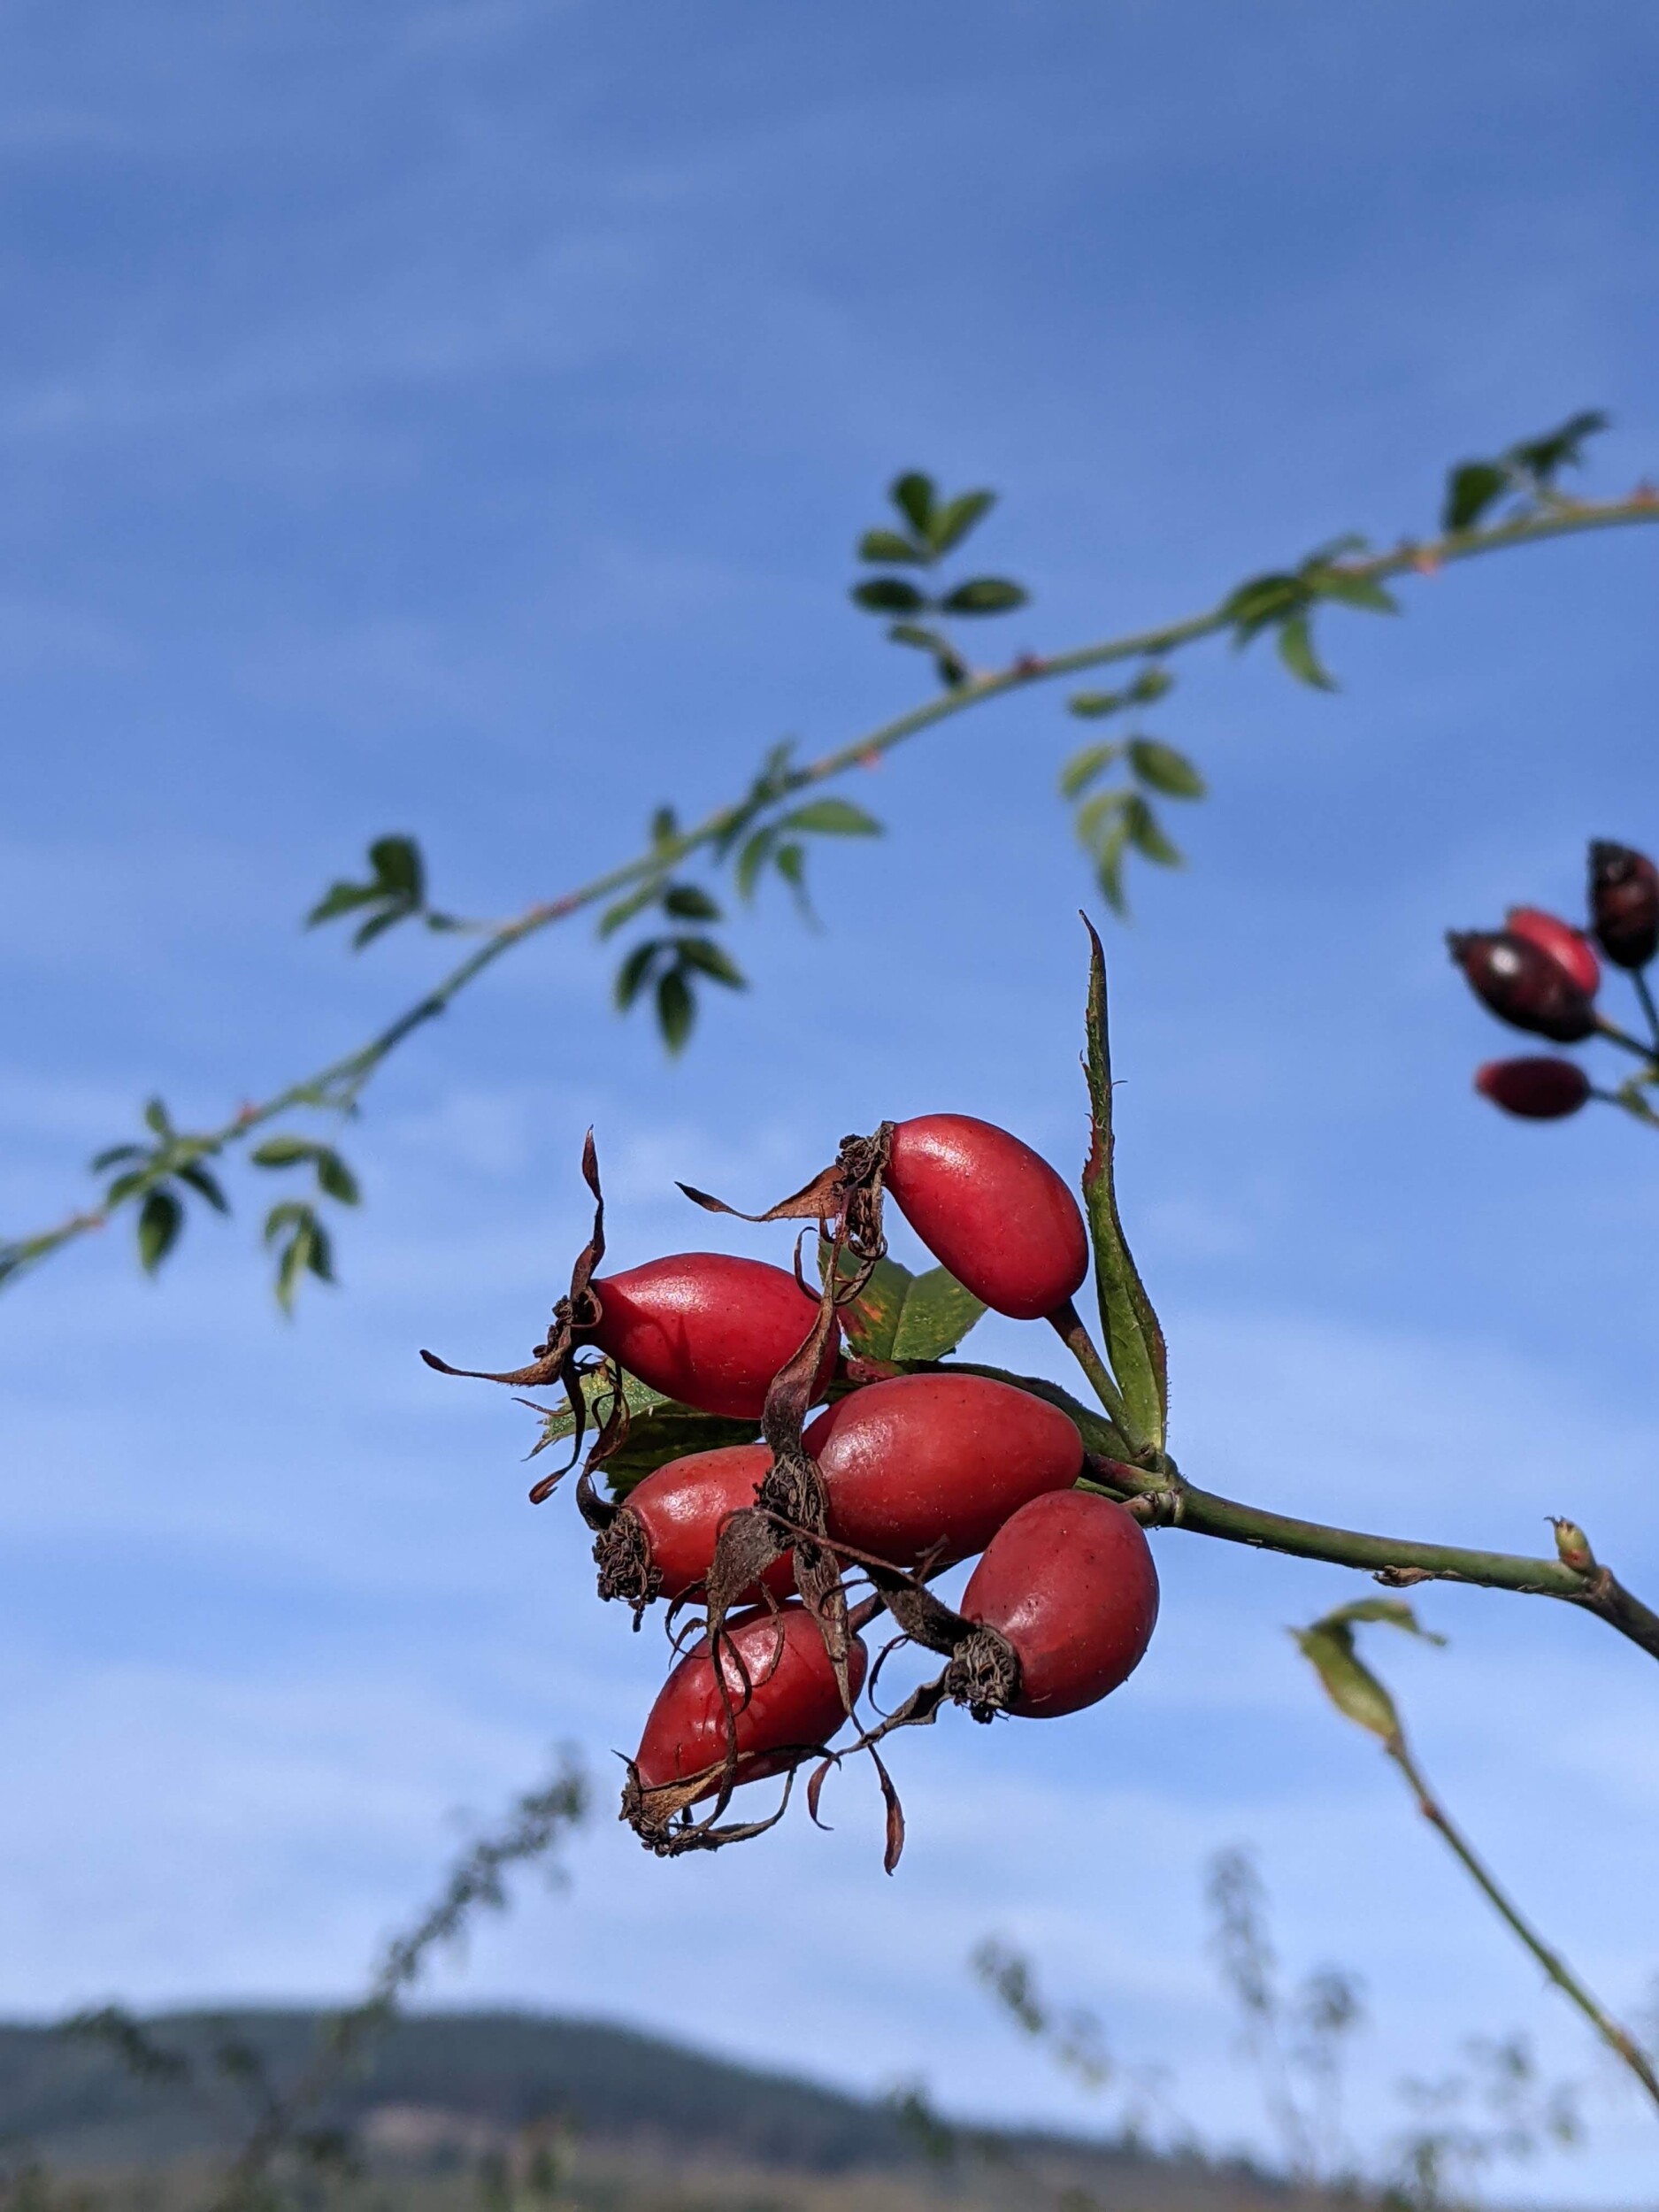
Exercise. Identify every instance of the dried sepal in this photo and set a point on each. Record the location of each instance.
(576, 1313)
(847, 1192)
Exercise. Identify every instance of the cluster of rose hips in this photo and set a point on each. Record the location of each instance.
(898, 1475)
(1541, 973)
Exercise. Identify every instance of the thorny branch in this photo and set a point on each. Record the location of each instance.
(339, 1086)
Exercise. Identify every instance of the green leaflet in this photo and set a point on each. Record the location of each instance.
(1134, 1342)
(1355, 1692)
(901, 1317)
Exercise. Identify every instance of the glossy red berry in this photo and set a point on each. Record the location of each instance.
(706, 1328)
(1568, 946)
(1070, 1583)
(991, 1210)
(1523, 984)
(662, 1542)
(1625, 903)
(793, 1706)
(1542, 1089)
(938, 1461)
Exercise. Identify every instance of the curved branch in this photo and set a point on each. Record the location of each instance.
(339, 1085)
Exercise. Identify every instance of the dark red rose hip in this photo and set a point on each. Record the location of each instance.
(794, 1705)
(1542, 1089)
(938, 1461)
(1625, 903)
(706, 1328)
(1522, 984)
(991, 1210)
(1069, 1582)
(1568, 946)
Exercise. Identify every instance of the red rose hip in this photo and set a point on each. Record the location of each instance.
(794, 1704)
(1568, 946)
(1069, 1582)
(943, 1461)
(1541, 1089)
(705, 1327)
(991, 1210)
(661, 1543)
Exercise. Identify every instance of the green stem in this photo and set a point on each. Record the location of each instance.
(1068, 1326)
(342, 1082)
(1616, 1036)
(1648, 1007)
(1169, 1500)
(1618, 2039)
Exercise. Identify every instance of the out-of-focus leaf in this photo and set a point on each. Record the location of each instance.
(1150, 684)
(389, 916)
(985, 595)
(1295, 649)
(282, 1152)
(1391, 1612)
(751, 860)
(1471, 487)
(203, 1183)
(1542, 457)
(889, 594)
(115, 1152)
(664, 827)
(155, 1118)
(891, 545)
(952, 522)
(334, 1177)
(1134, 1340)
(1165, 769)
(630, 976)
(626, 909)
(1092, 704)
(832, 817)
(160, 1218)
(1352, 590)
(1261, 599)
(1081, 769)
(1146, 834)
(676, 1009)
(689, 902)
(398, 867)
(913, 495)
(712, 960)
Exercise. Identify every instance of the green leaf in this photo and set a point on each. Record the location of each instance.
(870, 1321)
(1393, 1612)
(659, 1429)
(913, 495)
(1134, 1340)
(1146, 834)
(1150, 684)
(630, 976)
(664, 827)
(335, 1178)
(160, 1220)
(985, 595)
(155, 1118)
(1091, 704)
(689, 902)
(937, 1313)
(712, 960)
(832, 817)
(118, 1152)
(288, 1214)
(889, 594)
(1262, 599)
(396, 910)
(1108, 867)
(341, 898)
(676, 1009)
(1164, 769)
(1081, 769)
(1471, 488)
(1540, 458)
(398, 868)
(752, 860)
(1100, 813)
(891, 545)
(203, 1183)
(1350, 589)
(952, 522)
(626, 909)
(319, 1254)
(282, 1152)
(1295, 649)
(1349, 1683)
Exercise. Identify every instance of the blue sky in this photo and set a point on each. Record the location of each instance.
(456, 419)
